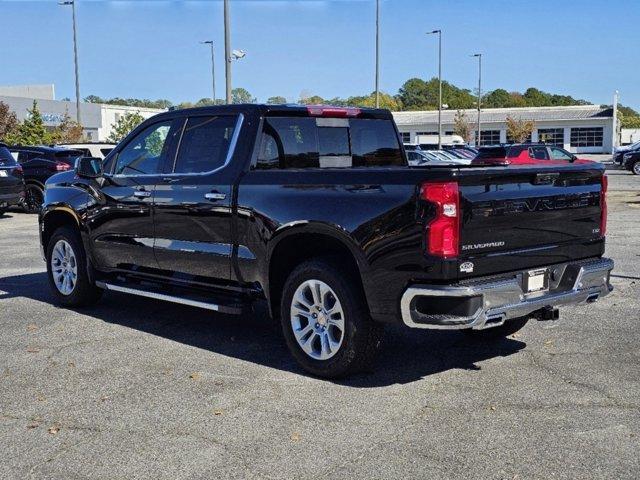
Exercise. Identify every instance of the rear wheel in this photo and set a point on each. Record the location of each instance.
(507, 328)
(325, 320)
(33, 198)
(635, 168)
(67, 270)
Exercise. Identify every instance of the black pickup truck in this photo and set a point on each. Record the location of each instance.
(315, 210)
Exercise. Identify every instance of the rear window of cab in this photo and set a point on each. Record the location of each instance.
(304, 142)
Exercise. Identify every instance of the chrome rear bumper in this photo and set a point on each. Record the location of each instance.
(486, 303)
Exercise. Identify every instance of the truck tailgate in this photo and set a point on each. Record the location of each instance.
(516, 217)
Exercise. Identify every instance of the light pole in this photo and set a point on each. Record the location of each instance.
(439, 32)
(377, 53)
(75, 55)
(479, 56)
(213, 68)
(227, 51)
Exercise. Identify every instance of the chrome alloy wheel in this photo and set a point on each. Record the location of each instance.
(64, 267)
(317, 319)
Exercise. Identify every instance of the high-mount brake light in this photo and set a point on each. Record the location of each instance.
(443, 232)
(603, 205)
(339, 112)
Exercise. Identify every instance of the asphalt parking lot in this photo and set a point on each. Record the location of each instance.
(141, 389)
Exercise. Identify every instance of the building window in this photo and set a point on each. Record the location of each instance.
(406, 137)
(427, 133)
(551, 136)
(489, 137)
(586, 137)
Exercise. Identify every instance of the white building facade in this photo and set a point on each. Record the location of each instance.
(97, 119)
(578, 129)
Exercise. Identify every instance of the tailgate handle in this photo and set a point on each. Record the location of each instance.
(545, 178)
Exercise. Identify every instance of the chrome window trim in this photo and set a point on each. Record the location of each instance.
(232, 148)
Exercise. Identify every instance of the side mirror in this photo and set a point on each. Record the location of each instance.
(89, 167)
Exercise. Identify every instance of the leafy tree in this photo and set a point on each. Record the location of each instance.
(462, 126)
(241, 95)
(386, 101)
(31, 131)
(313, 100)
(124, 125)
(8, 121)
(416, 94)
(519, 130)
(69, 131)
(277, 100)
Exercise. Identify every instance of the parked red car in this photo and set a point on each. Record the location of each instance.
(524, 154)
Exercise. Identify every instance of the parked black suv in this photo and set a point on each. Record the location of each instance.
(11, 180)
(39, 163)
(315, 210)
(631, 161)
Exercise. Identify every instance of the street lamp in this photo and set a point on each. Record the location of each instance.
(377, 53)
(75, 54)
(213, 68)
(439, 32)
(479, 56)
(229, 56)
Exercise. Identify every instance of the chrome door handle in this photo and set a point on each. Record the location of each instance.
(141, 194)
(215, 196)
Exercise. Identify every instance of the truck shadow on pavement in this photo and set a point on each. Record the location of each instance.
(405, 356)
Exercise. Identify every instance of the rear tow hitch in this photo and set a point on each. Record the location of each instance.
(547, 313)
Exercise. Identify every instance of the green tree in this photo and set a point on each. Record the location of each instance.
(519, 130)
(416, 94)
(32, 130)
(8, 121)
(241, 95)
(312, 100)
(462, 126)
(124, 125)
(69, 131)
(386, 101)
(277, 100)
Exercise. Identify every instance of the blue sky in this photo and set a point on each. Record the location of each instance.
(149, 49)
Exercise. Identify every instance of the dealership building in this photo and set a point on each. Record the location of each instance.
(97, 119)
(579, 129)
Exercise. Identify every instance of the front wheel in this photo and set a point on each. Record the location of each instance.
(325, 320)
(67, 270)
(635, 168)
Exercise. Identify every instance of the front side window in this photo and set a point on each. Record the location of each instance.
(204, 144)
(144, 154)
(560, 154)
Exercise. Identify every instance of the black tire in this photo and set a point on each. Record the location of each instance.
(635, 167)
(33, 198)
(508, 328)
(84, 292)
(361, 336)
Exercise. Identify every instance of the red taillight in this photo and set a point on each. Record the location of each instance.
(62, 167)
(443, 235)
(340, 112)
(603, 205)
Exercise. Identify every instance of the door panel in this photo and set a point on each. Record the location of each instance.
(121, 222)
(192, 206)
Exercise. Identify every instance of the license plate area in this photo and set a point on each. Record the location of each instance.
(536, 280)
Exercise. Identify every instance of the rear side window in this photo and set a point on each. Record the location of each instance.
(539, 153)
(6, 159)
(303, 142)
(205, 144)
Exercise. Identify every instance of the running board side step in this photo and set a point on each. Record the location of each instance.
(157, 295)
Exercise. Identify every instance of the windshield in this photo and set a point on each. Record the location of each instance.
(6, 159)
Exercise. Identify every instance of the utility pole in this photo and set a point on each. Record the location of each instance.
(213, 69)
(439, 32)
(479, 56)
(614, 142)
(377, 53)
(75, 55)
(227, 51)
